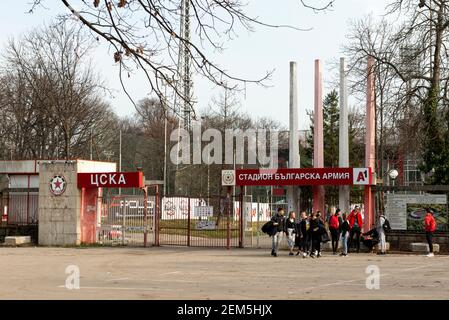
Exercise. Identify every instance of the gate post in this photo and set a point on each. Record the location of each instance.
(188, 224)
(157, 218)
(145, 216)
(228, 227)
(241, 218)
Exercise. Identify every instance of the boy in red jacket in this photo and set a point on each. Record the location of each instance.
(430, 227)
(356, 223)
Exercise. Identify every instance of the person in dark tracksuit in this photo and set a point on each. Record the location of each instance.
(279, 225)
(321, 229)
(303, 235)
(315, 234)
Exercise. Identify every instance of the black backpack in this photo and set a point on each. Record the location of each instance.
(386, 225)
(268, 227)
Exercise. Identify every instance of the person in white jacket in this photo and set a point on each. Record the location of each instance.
(381, 232)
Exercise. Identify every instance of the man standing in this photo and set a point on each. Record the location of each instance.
(430, 226)
(279, 226)
(355, 222)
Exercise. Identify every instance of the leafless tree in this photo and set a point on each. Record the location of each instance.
(52, 97)
(145, 35)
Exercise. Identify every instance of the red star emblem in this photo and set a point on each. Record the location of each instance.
(58, 184)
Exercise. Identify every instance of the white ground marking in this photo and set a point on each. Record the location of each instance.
(123, 288)
(364, 278)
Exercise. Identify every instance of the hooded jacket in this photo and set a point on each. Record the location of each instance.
(429, 223)
(353, 216)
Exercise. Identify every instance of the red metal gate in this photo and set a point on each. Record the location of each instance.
(200, 222)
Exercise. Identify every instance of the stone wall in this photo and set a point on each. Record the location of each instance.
(400, 241)
(59, 216)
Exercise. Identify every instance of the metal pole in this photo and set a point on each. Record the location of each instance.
(124, 220)
(228, 224)
(242, 219)
(91, 147)
(165, 156)
(258, 229)
(188, 225)
(120, 158)
(157, 218)
(145, 216)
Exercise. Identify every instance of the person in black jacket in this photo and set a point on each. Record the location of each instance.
(370, 239)
(291, 230)
(279, 226)
(345, 228)
(315, 234)
(303, 236)
(322, 230)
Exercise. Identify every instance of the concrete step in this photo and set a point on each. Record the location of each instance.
(17, 240)
(328, 246)
(423, 247)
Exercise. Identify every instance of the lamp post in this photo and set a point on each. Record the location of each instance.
(393, 174)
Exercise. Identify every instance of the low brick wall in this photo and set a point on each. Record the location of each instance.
(400, 240)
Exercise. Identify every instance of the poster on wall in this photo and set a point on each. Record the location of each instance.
(406, 212)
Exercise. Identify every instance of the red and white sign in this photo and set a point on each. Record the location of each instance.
(111, 180)
(303, 177)
(58, 185)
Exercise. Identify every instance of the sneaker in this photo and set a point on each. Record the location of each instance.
(304, 255)
(313, 256)
(430, 255)
(297, 253)
(291, 254)
(319, 254)
(272, 252)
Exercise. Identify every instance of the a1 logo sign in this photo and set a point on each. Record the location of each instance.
(361, 176)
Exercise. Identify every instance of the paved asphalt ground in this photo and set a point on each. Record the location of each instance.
(201, 273)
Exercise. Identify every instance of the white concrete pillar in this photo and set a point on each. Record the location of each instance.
(343, 141)
(318, 140)
(294, 159)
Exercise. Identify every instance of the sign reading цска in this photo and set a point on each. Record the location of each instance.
(111, 180)
(306, 176)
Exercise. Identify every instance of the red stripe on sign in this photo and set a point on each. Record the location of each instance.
(110, 180)
(298, 177)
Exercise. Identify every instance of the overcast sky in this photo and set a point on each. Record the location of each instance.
(249, 56)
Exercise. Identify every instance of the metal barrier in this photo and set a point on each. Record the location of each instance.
(185, 221)
(199, 222)
(127, 220)
(261, 211)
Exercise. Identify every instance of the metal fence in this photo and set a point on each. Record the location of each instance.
(127, 220)
(258, 211)
(199, 222)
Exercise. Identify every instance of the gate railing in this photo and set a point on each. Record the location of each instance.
(201, 222)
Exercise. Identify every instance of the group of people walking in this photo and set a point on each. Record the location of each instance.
(309, 231)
